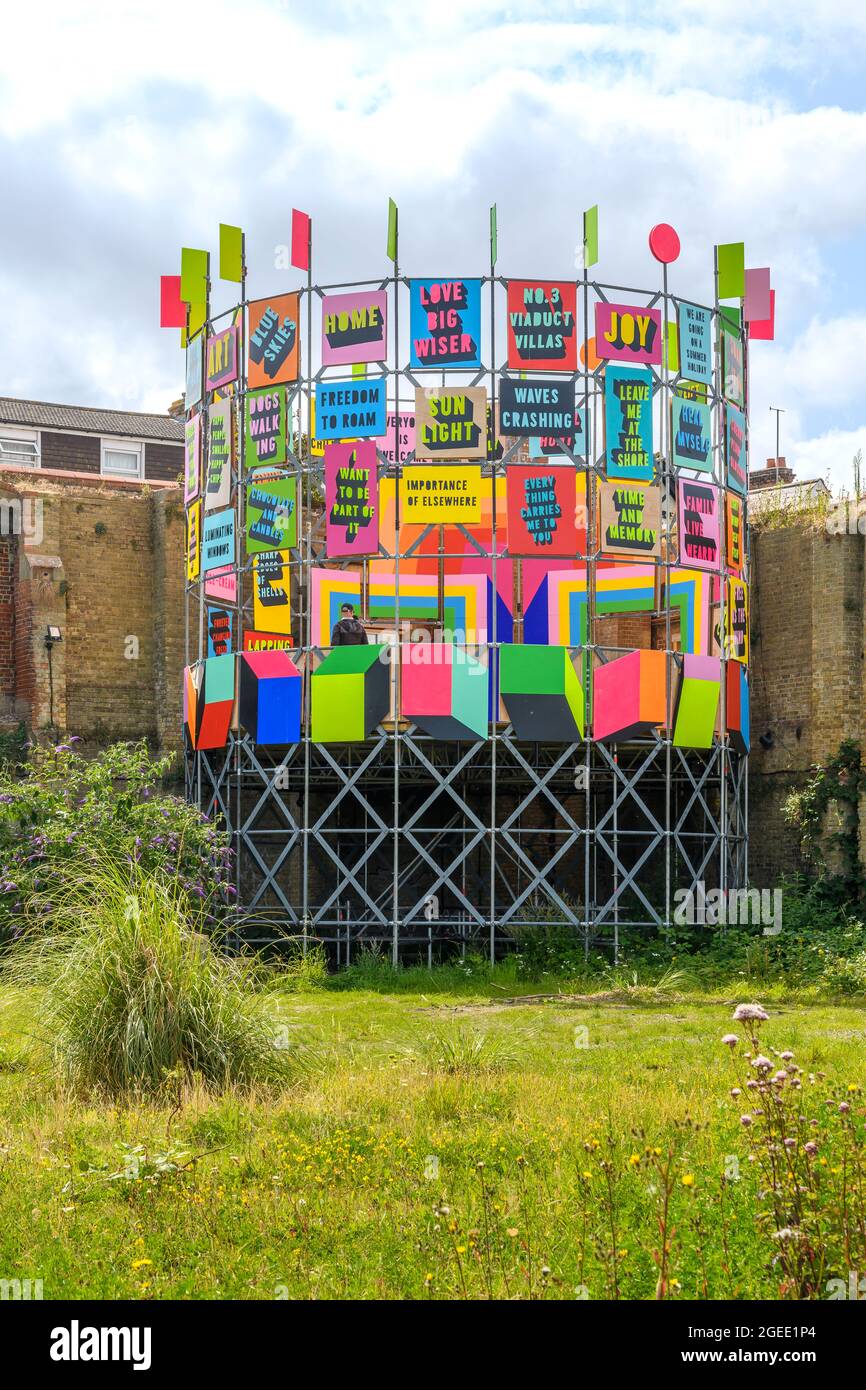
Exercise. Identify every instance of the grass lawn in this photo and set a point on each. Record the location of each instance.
(438, 1142)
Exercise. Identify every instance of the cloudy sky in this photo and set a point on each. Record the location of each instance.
(130, 129)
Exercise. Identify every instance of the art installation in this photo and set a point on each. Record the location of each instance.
(468, 629)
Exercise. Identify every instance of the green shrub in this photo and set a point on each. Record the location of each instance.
(132, 996)
(63, 814)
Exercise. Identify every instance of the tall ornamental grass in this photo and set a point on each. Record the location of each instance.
(132, 996)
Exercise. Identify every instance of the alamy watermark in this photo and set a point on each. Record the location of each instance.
(729, 907)
(22, 516)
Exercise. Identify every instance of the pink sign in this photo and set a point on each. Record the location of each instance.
(699, 525)
(351, 499)
(756, 305)
(354, 327)
(398, 435)
(627, 333)
(223, 584)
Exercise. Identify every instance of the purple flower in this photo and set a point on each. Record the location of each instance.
(730, 1039)
(750, 1013)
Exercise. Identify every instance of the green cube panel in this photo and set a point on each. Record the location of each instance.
(350, 695)
(698, 704)
(542, 693)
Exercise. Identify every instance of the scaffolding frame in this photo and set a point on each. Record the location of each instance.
(415, 845)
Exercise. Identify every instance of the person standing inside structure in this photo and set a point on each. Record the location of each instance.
(349, 631)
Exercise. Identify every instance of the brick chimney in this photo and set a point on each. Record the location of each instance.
(177, 409)
(776, 471)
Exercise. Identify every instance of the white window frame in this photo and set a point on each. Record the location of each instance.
(11, 433)
(122, 446)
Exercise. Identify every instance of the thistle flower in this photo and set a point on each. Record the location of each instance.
(761, 1062)
(730, 1040)
(749, 1013)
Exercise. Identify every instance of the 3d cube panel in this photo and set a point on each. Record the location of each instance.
(444, 690)
(542, 693)
(216, 701)
(350, 694)
(698, 705)
(628, 696)
(737, 706)
(191, 682)
(270, 697)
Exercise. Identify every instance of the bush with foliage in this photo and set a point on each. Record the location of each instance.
(62, 813)
(133, 996)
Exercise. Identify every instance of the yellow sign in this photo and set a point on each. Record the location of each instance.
(193, 541)
(440, 493)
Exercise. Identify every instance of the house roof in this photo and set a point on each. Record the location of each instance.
(86, 419)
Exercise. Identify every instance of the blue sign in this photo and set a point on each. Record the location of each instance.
(218, 540)
(353, 409)
(691, 435)
(696, 342)
(543, 446)
(628, 422)
(445, 323)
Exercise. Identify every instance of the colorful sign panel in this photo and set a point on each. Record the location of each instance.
(274, 340)
(700, 524)
(265, 427)
(737, 620)
(691, 435)
(220, 623)
(542, 325)
(542, 446)
(541, 505)
(222, 358)
(735, 449)
(193, 541)
(222, 584)
(194, 370)
(351, 499)
(267, 641)
(218, 540)
(536, 405)
(445, 323)
(734, 532)
(350, 409)
(220, 450)
(397, 444)
(354, 327)
(191, 458)
(628, 423)
(450, 422)
(733, 371)
(272, 510)
(696, 342)
(626, 333)
(431, 495)
(272, 608)
(629, 519)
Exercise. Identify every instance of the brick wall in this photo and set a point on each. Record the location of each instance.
(808, 623)
(106, 566)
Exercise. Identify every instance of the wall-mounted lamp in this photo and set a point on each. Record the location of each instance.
(767, 741)
(53, 635)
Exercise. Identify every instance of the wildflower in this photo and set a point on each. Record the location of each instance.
(786, 1056)
(811, 1148)
(634, 1160)
(790, 1143)
(512, 1230)
(745, 1120)
(761, 1062)
(844, 1107)
(730, 1039)
(749, 1013)
(688, 1180)
(139, 1264)
(735, 1091)
(786, 1233)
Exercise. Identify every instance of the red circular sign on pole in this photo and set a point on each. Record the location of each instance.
(664, 243)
